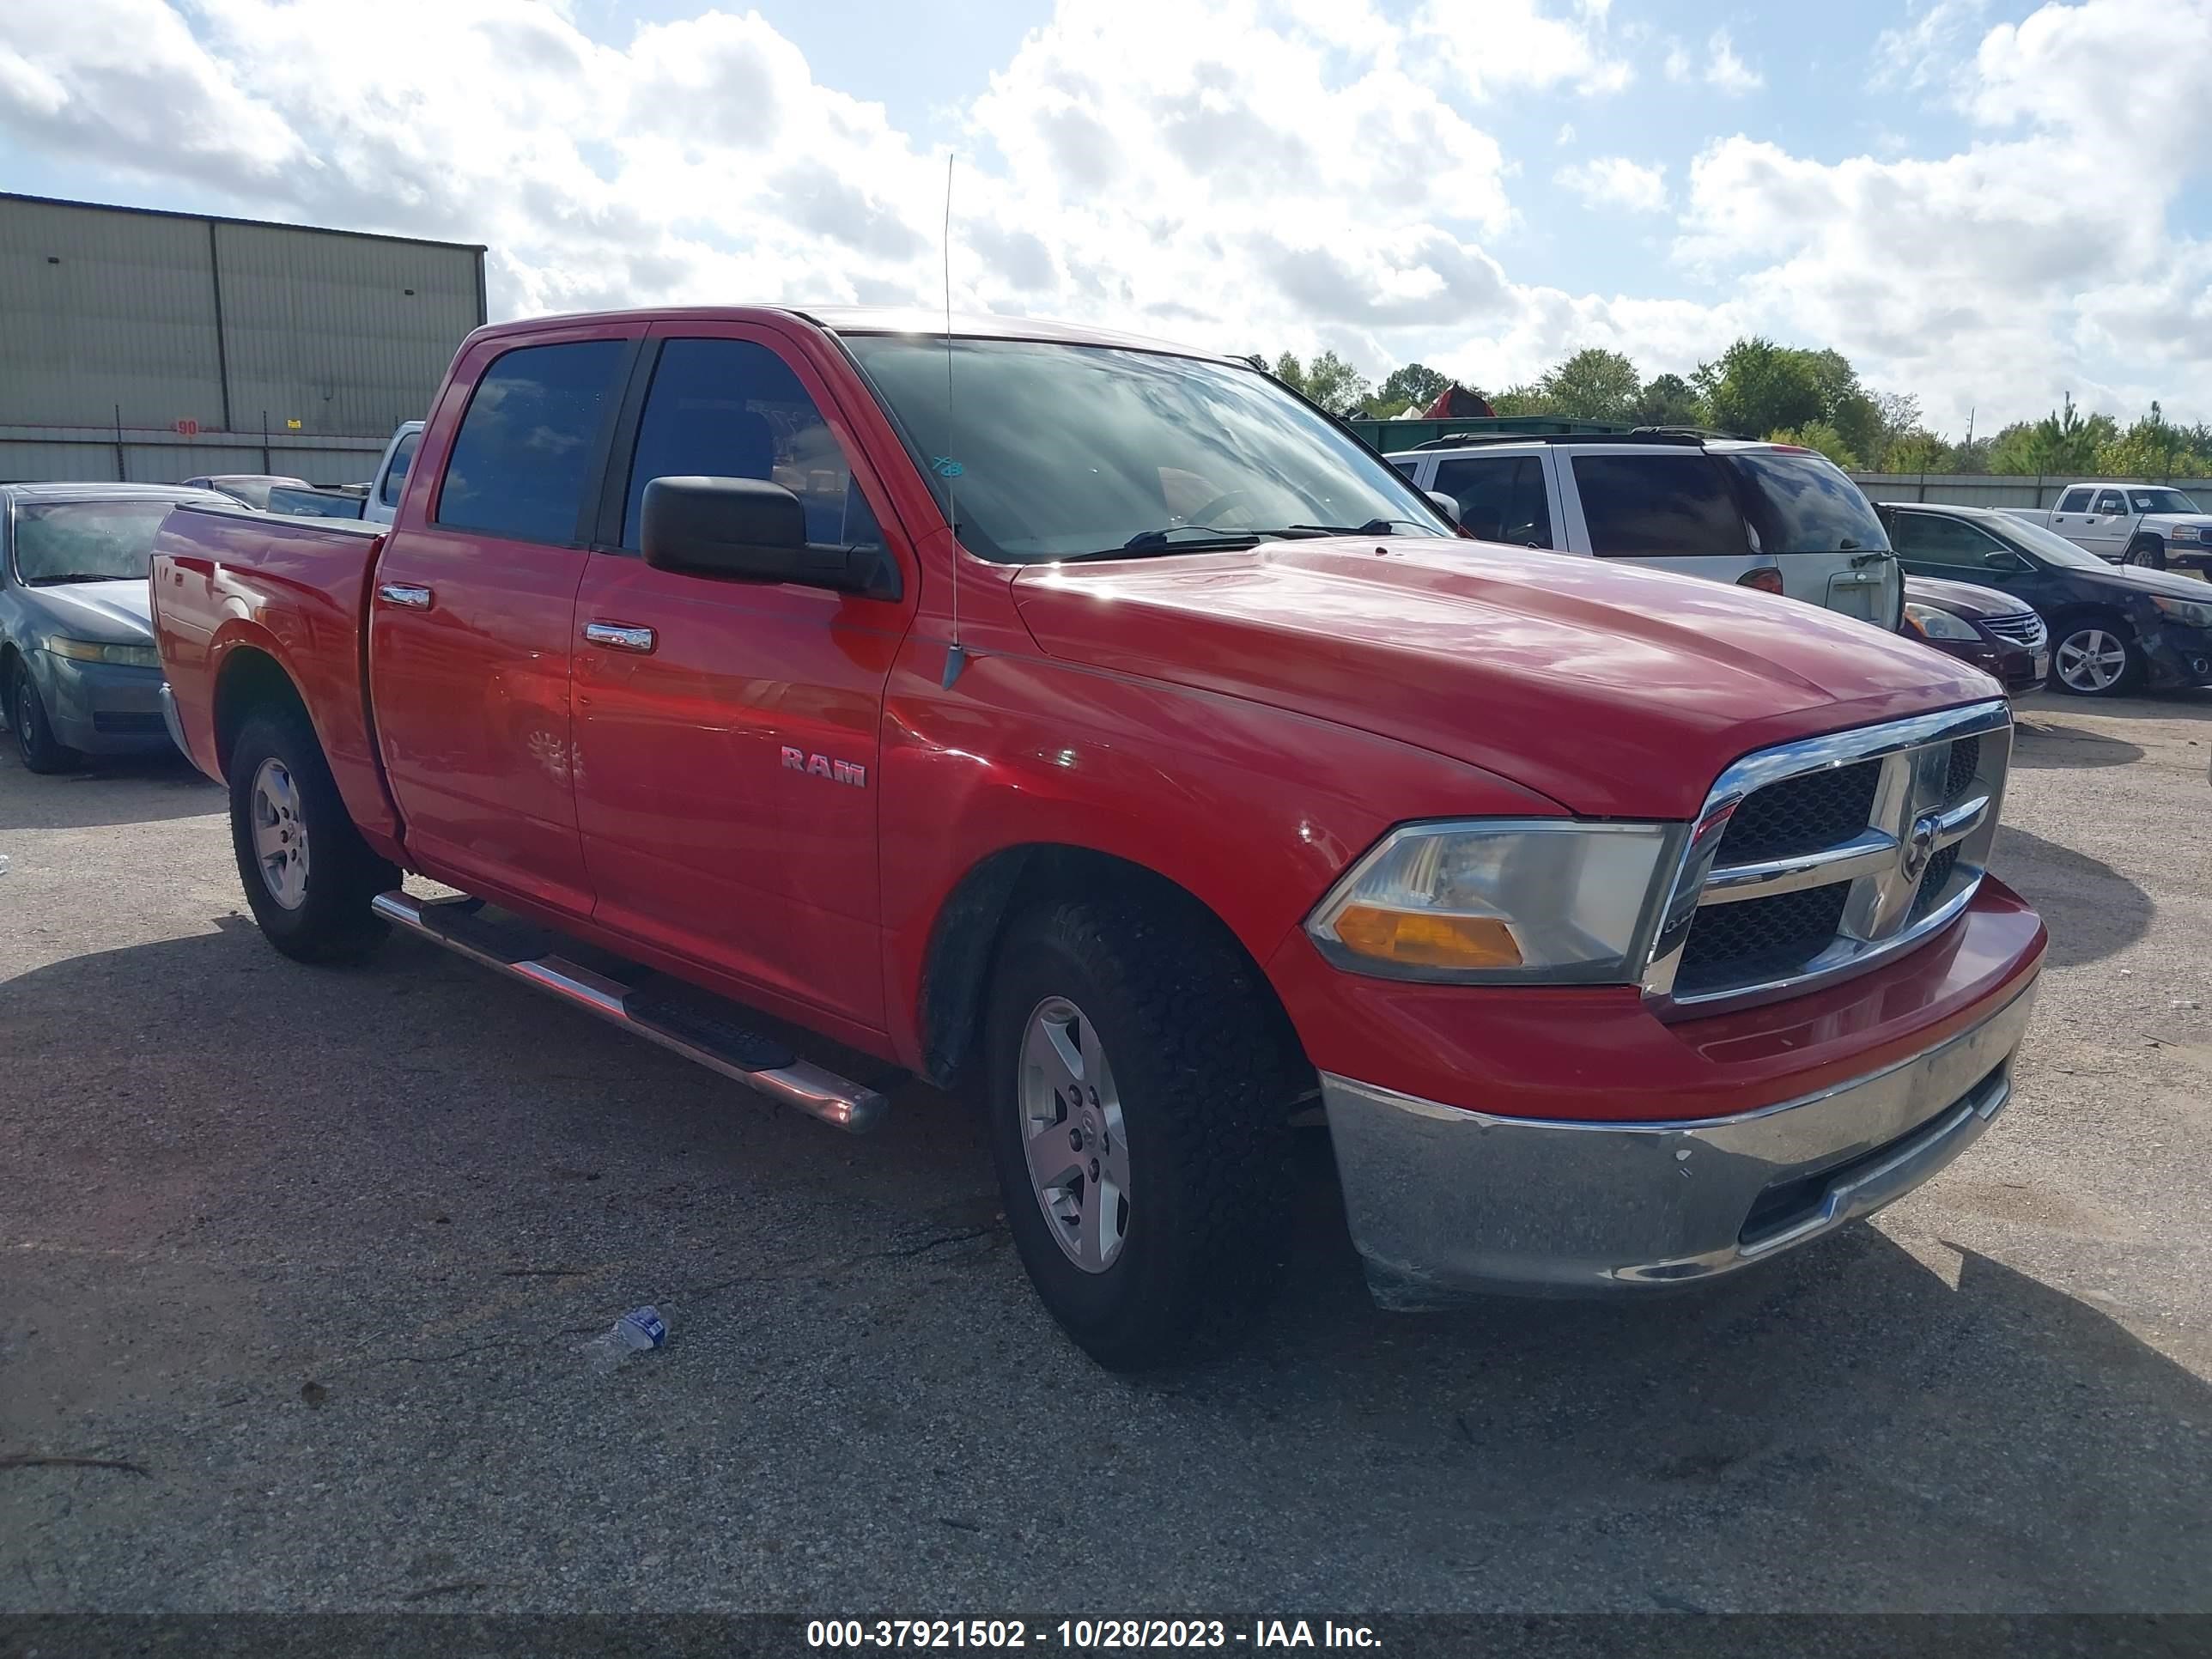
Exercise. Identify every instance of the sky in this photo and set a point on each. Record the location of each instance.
(1987, 203)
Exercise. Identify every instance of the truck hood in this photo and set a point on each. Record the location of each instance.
(110, 613)
(1617, 692)
(2164, 521)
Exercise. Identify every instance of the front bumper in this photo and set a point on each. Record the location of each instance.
(103, 708)
(1443, 1201)
(2178, 654)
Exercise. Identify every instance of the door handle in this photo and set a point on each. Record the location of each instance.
(404, 593)
(619, 636)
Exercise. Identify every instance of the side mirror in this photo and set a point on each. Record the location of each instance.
(747, 529)
(2003, 560)
(1444, 504)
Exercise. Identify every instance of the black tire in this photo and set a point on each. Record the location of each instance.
(2146, 551)
(332, 922)
(36, 745)
(1206, 1069)
(2076, 630)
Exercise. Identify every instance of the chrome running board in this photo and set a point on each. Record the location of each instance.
(686, 1021)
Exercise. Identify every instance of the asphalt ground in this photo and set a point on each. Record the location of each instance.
(295, 1266)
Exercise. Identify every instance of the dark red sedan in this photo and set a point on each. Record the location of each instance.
(1979, 625)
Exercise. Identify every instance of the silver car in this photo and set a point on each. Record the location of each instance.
(78, 671)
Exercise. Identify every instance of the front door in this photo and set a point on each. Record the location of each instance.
(726, 732)
(472, 613)
(2108, 526)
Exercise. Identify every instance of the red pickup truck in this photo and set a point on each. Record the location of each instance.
(1629, 929)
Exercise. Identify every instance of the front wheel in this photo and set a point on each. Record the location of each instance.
(308, 875)
(2146, 551)
(36, 745)
(1138, 1086)
(2096, 659)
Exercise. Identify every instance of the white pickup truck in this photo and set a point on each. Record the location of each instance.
(373, 503)
(2152, 525)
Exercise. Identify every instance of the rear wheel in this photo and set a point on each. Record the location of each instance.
(1138, 1086)
(308, 875)
(35, 744)
(2096, 657)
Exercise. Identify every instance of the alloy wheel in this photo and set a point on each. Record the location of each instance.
(280, 836)
(2092, 659)
(1072, 1134)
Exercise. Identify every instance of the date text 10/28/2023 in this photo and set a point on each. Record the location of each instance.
(1085, 1635)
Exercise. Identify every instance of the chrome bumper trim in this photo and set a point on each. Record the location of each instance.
(169, 719)
(1445, 1201)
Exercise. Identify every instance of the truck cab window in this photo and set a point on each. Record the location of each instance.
(2109, 501)
(395, 476)
(2074, 500)
(519, 461)
(1655, 506)
(731, 409)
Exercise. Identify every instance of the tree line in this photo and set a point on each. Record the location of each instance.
(1789, 394)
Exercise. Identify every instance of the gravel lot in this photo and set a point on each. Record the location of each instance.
(304, 1257)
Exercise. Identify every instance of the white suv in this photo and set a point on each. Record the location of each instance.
(1772, 516)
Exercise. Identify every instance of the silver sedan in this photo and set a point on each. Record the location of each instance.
(78, 671)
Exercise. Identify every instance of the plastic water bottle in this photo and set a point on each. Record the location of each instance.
(636, 1331)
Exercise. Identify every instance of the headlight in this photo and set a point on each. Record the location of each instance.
(130, 656)
(1494, 900)
(1933, 624)
(2187, 533)
(2194, 612)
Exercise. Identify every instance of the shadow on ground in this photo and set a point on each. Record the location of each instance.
(137, 790)
(1852, 1426)
(2092, 910)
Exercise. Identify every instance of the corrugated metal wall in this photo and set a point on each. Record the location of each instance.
(112, 317)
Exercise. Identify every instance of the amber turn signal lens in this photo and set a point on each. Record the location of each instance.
(1414, 940)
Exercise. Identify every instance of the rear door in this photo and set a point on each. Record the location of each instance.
(473, 611)
(1671, 509)
(2071, 517)
(1820, 530)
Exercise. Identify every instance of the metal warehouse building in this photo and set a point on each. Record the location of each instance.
(155, 346)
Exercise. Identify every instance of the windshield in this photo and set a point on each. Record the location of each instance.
(2046, 545)
(1804, 504)
(86, 541)
(2162, 500)
(1068, 450)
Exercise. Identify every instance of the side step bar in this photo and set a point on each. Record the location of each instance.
(687, 1024)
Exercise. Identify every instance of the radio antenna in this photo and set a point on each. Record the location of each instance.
(948, 465)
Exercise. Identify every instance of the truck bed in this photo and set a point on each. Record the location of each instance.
(228, 582)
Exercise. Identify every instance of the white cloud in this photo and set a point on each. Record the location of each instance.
(1724, 69)
(1294, 173)
(1911, 55)
(1616, 181)
(1566, 133)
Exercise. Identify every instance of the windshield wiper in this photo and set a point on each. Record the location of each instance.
(79, 576)
(1372, 527)
(1206, 540)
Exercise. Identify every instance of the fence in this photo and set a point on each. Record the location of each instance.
(142, 455)
(2000, 489)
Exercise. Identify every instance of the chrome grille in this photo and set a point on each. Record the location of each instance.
(2024, 628)
(1819, 859)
